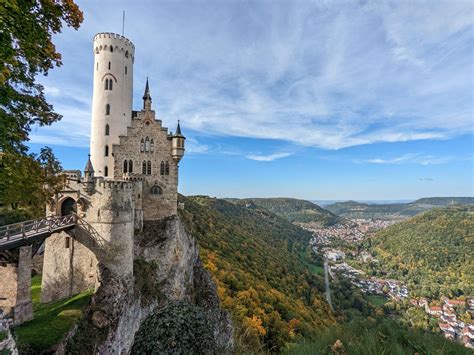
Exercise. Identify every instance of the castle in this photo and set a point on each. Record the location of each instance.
(131, 177)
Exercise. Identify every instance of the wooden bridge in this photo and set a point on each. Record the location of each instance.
(25, 233)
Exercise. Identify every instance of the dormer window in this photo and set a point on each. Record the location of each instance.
(147, 144)
(156, 190)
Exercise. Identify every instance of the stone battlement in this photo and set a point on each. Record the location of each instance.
(112, 35)
(114, 184)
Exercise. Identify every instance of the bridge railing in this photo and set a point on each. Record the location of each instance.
(29, 229)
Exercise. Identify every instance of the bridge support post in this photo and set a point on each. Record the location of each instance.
(15, 293)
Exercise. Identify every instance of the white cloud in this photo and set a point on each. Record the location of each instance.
(410, 158)
(328, 75)
(269, 157)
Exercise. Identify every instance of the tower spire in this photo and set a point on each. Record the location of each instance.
(147, 97)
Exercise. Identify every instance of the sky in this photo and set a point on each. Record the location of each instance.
(320, 100)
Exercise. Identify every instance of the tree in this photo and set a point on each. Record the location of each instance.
(26, 49)
(29, 180)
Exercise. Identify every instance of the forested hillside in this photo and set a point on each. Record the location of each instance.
(432, 252)
(259, 262)
(353, 209)
(300, 211)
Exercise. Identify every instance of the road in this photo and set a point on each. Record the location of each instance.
(326, 282)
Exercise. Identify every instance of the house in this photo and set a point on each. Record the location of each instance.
(435, 311)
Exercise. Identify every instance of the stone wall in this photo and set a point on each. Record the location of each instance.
(154, 206)
(15, 294)
(68, 268)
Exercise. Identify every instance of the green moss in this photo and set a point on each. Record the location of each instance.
(51, 321)
(178, 328)
(3, 336)
(145, 280)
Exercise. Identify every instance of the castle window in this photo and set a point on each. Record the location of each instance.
(126, 54)
(111, 48)
(156, 190)
(152, 146)
(125, 166)
(110, 65)
(148, 167)
(162, 168)
(67, 242)
(125, 70)
(107, 109)
(97, 66)
(167, 168)
(142, 145)
(107, 130)
(106, 153)
(130, 166)
(144, 167)
(147, 144)
(106, 171)
(110, 84)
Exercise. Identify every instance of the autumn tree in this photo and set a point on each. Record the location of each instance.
(26, 50)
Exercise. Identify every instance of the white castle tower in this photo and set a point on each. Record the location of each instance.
(112, 98)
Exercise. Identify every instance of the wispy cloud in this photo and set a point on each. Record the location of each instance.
(269, 157)
(410, 158)
(328, 75)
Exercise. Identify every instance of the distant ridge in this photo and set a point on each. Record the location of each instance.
(294, 210)
(353, 209)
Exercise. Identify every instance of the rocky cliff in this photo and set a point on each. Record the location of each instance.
(170, 304)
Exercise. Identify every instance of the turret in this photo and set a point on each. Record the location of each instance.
(177, 144)
(89, 175)
(147, 97)
(112, 98)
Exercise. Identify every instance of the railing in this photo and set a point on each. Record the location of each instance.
(16, 234)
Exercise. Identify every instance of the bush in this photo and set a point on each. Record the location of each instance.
(177, 328)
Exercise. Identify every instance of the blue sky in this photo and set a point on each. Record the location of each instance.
(307, 99)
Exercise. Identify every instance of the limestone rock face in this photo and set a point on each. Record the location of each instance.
(166, 269)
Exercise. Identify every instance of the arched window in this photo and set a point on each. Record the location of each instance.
(142, 145)
(125, 70)
(152, 146)
(110, 84)
(148, 167)
(147, 144)
(111, 48)
(167, 168)
(106, 171)
(130, 166)
(156, 190)
(162, 168)
(107, 109)
(125, 166)
(110, 65)
(107, 130)
(106, 153)
(144, 167)
(126, 54)
(106, 84)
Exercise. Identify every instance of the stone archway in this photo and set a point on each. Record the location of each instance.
(68, 206)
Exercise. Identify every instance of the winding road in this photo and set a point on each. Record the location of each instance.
(326, 282)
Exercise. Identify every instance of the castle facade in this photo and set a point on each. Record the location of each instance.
(131, 177)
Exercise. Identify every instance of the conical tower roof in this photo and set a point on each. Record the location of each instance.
(89, 168)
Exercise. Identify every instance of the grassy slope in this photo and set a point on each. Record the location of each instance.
(51, 321)
(369, 337)
(258, 262)
(432, 252)
(294, 210)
